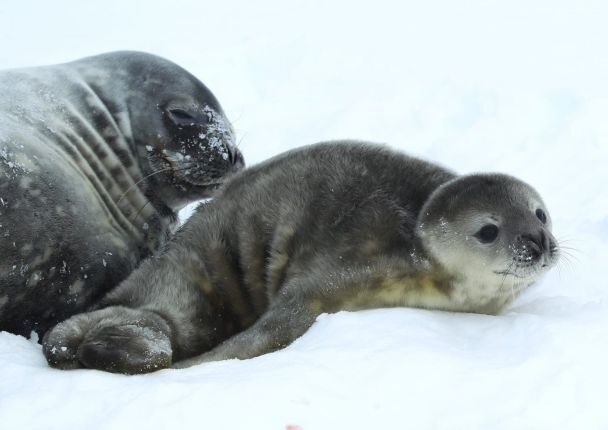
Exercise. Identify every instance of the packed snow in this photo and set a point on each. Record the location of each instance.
(519, 87)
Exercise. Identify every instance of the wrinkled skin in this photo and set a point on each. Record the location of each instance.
(96, 158)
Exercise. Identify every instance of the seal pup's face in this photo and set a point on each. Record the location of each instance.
(492, 234)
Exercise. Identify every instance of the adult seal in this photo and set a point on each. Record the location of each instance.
(96, 157)
(328, 227)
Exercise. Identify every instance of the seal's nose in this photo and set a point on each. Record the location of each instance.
(538, 242)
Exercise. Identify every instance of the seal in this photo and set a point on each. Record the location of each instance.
(334, 226)
(96, 157)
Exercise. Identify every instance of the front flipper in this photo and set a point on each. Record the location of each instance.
(114, 339)
(278, 327)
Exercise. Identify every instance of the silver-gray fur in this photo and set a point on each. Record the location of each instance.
(333, 226)
(96, 157)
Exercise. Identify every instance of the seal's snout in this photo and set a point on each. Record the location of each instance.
(536, 243)
(534, 247)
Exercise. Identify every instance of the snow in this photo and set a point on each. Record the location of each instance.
(518, 87)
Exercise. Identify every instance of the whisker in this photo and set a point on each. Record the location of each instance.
(238, 143)
(140, 181)
(567, 256)
(559, 270)
(504, 277)
(237, 119)
(140, 211)
(569, 263)
(148, 176)
(149, 201)
(565, 243)
(574, 253)
(569, 247)
(568, 239)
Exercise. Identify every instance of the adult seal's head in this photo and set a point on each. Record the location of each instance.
(96, 158)
(492, 231)
(184, 142)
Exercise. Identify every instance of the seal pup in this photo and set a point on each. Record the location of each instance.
(96, 157)
(334, 226)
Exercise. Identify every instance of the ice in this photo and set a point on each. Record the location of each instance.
(517, 87)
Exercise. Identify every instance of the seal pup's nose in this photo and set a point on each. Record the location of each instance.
(538, 242)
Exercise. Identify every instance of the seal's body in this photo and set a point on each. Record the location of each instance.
(320, 229)
(96, 157)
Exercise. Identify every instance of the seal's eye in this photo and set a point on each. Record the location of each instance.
(541, 215)
(487, 234)
(182, 117)
(187, 116)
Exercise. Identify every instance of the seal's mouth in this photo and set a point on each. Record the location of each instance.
(531, 260)
(210, 171)
(193, 173)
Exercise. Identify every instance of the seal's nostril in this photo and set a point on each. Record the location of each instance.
(537, 243)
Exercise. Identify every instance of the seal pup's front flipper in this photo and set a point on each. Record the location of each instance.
(286, 320)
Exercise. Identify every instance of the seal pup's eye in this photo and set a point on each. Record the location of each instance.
(487, 234)
(541, 215)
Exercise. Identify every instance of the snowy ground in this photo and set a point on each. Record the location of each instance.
(519, 87)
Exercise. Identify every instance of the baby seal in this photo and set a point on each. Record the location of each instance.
(96, 157)
(334, 226)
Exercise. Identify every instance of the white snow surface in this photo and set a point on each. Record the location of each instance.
(519, 87)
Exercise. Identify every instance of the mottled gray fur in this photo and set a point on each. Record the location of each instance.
(96, 157)
(333, 226)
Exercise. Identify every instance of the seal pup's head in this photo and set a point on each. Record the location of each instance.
(491, 233)
(184, 142)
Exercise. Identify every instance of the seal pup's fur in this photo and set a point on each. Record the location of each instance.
(333, 226)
